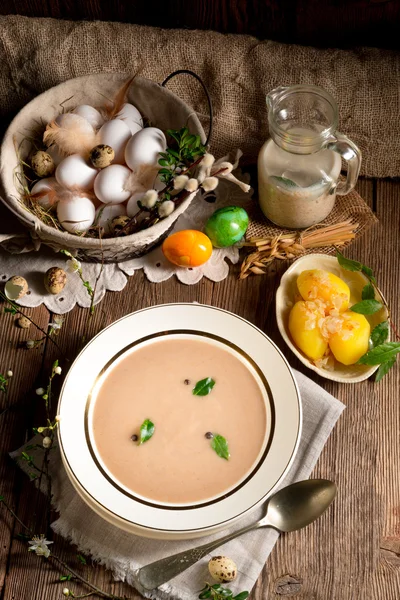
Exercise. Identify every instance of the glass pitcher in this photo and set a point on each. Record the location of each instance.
(299, 166)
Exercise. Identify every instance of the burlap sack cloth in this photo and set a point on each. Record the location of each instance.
(36, 54)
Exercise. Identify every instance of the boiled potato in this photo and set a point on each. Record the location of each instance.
(351, 341)
(316, 283)
(303, 327)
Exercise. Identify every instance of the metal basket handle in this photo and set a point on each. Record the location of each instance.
(210, 108)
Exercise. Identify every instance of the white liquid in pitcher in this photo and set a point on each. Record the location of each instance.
(297, 190)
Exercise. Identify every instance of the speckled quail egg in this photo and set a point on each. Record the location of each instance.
(76, 213)
(222, 569)
(131, 116)
(42, 163)
(109, 185)
(23, 322)
(118, 223)
(16, 287)
(116, 134)
(91, 114)
(101, 156)
(54, 280)
(144, 147)
(106, 213)
(38, 191)
(74, 173)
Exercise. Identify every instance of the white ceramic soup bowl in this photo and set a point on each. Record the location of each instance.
(142, 516)
(285, 299)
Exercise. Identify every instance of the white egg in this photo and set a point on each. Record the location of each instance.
(91, 114)
(73, 172)
(116, 134)
(75, 122)
(76, 213)
(144, 147)
(131, 116)
(46, 201)
(109, 185)
(132, 205)
(106, 213)
(55, 154)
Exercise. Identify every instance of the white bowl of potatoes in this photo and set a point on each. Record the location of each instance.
(313, 312)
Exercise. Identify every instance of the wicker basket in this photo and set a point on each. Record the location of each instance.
(163, 108)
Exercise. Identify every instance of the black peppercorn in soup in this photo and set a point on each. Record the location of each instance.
(179, 420)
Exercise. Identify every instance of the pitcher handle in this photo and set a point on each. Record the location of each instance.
(352, 155)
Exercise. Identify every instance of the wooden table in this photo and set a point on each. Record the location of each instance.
(353, 552)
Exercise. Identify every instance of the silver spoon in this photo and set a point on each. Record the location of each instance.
(293, 507)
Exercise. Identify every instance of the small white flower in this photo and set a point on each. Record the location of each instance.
(192, 185)
(209, 184)
(149, 199)
(40, 391)
(58, 418)
(166, 209)
(66, 592)
(73, 265)
(30, 344)
(39, 545)
(224, 166)
(207, 160)
(180, 182)
(205, 167)
(9, 373)
(47, 442)
(58, 370)
(223, 163)
(55, 326)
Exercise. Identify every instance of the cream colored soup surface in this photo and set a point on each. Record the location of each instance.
(178, 464)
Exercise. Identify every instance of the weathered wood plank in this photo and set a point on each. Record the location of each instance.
(338, 557)
(18, 405)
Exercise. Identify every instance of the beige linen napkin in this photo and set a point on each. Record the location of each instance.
(124, 553)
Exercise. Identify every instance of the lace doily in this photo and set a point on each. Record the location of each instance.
(33, 265)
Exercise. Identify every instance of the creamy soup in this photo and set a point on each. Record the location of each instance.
(178, 464)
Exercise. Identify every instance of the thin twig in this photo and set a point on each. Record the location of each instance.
(83, 580)
(19, 311)
(10, 510)
(55, 558)
(91, 309)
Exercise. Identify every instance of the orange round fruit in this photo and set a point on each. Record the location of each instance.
(187, 248)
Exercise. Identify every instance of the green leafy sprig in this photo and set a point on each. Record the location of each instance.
(381, 352)
(146, 431)
(203, 387)
(185, 149)
(74, 266)
(219, 592)
(220, 445)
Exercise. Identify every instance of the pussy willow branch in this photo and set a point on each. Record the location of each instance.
(129, 227)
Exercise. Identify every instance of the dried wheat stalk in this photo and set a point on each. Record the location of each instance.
(290, 245)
